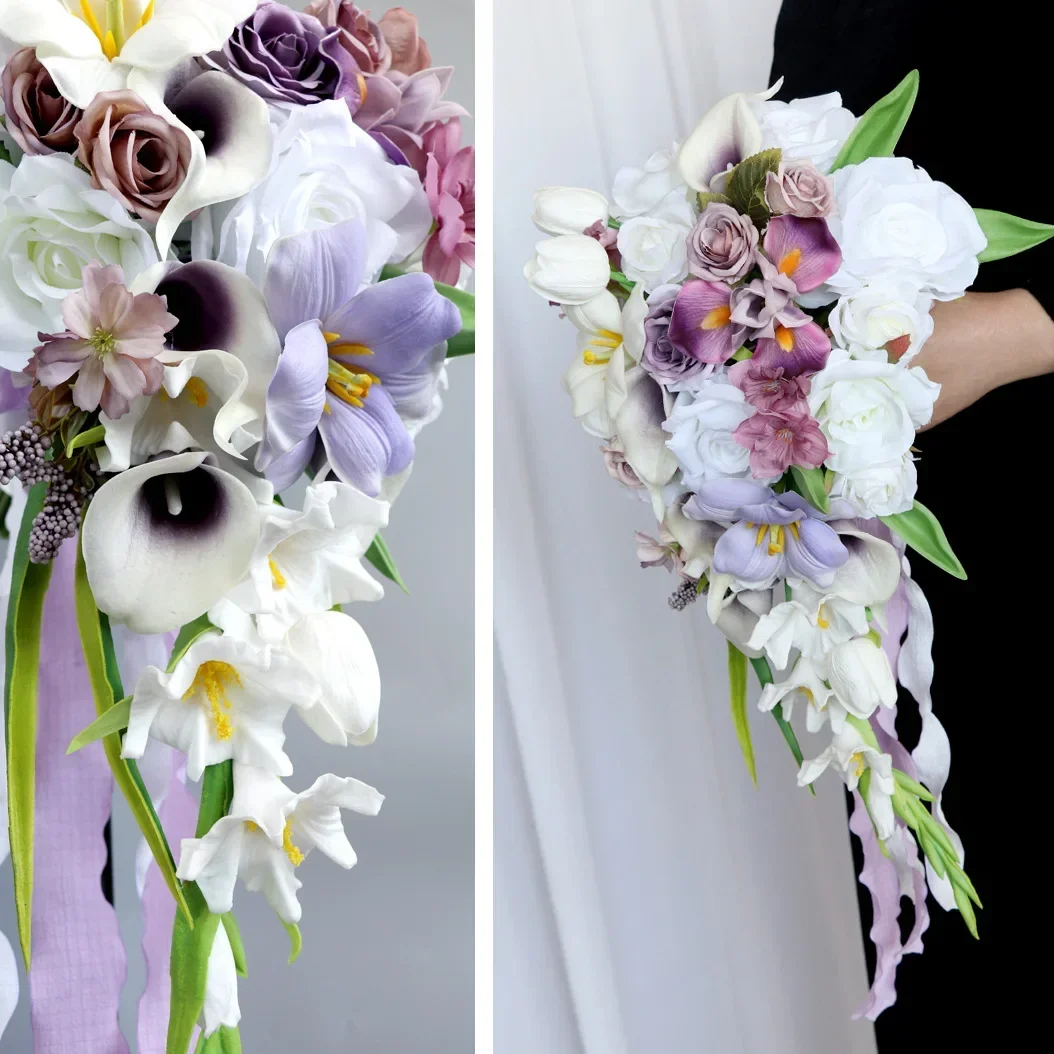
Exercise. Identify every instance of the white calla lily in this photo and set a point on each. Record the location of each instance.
(638, 426)
(165, 540)
(268, 833)
(226, 698)
(697, 539)
(871, 574)
(220, 1009)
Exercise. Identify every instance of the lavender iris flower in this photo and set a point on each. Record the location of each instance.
(772, 535)
(353, 364)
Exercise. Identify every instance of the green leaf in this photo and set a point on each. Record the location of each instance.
(223, 1041)
(742, 354)
(90, 437)
(622, 281)
(192, 941)
(379, 555)
(706, 198)
(463, 343)
(745, 185)
(107, 723)
(808, 482)
(25, 611)
(922, 531)
(737, 682)
(877, 133)
(186, 636)
(1008, 234)
(105, 678)
(962, 902)
(296, 941)
(764, 674)
(237, 947)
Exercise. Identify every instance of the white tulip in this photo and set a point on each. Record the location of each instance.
(860, 675)
(568, 210)
(569, 269)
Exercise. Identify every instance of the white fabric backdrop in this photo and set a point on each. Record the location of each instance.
(647, 898)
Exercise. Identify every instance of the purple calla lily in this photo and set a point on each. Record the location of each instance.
(352, 361)
(772, 535)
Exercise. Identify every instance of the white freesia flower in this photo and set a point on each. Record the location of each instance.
(96, 45)
(701, 426)
(220, 1009)
(894, 222)
(866, 321)
(225, 699)
(869, 411)
(308, 561)
(325, 170)
(638, 191)
(653, 246)
(812, 129)
(807, 682)
(853, 756)
(569, 269)
(810, 628)
(881, 490)
(268, 833)
(52, 223)
(568, 210)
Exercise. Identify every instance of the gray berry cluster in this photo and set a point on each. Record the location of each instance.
(686, 593)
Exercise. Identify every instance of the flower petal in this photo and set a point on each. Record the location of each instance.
(740, 553)
(190, 27)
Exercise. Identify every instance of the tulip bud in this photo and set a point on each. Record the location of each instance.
(861, 677)
(568, 269)
(568, 210)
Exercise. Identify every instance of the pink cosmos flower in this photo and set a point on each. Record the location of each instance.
(111, 342)
(450, 182)
(769, 388)
(777, 441)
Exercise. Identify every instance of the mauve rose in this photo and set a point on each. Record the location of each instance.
(723, 244)
(800, 189)
(617, 465)
(660, 358)
(289, 56)
(39, 119)
(360, 36)
(131, 152)
(409, 51)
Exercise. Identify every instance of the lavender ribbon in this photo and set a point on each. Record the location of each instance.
(78, 965)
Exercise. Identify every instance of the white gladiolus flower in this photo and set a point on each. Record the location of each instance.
(811, 628)
(701, 426)
(568, 210)
(267, 835)
(569, 269)
(866, 321)
(637, 191)
(813, 129)
(805, 682)
(220, 1009)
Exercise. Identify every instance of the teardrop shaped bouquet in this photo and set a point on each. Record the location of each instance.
(236, 243)
(748, 307)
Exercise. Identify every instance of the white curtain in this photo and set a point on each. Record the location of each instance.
(647, 897)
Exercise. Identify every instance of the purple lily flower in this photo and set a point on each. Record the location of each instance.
(353, 364)
(772, 535)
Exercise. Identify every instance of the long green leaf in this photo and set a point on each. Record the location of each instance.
(1008, 235)
(380, 556)
(110, 721)
(764, 674)
(737, 683)
(104, 676)
(877, 133)
(90, 437)
(464, 343)
(192, 944)
(29, 583)
(923, 532)
(809, 484)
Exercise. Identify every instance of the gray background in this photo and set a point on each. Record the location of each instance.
(387, 965)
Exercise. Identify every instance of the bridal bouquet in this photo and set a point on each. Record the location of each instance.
(235, 245)
(749, 306)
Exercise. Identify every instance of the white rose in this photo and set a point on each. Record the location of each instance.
(52, 223)
(640, 190)
(701, 426)
(568, 210)
(813, 129)
(881, 490)
(654, 248)
(325, 170)
(864, 322)
(569, 269)
(869, 411)
(894, 222)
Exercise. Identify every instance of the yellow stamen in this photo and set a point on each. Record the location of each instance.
(196, 391)
(789, 263)
(857, 763)
(606, 342)
(794, 529)
(277, 578)
(595, 360)
(348, 349)
(611, 335)
(716, 319)
(214, 679)
(251, 825)
(326, 408)
(775, 540)
(109, 45)
(784, 338)
(296, 858)
(807, 692)
(762, 531)
(349, 386)
(821, 619)
(89, 16)
(148, 13)
(330, 338)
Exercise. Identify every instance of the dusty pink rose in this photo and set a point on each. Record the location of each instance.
(409, 51)
(360, 36)
(800, 189)
(131, 152)
(39, 119)
(617, 465)
(450, 182)
(769, 388)
(777, 441)
(723, 244)
(112, 342)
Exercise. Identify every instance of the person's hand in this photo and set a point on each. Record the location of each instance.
(983, 341)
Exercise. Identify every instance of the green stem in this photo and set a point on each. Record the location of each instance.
(764, 675)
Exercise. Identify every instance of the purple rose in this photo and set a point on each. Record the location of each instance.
(289, 56)
(39, 119)
(723, 244)
(660, 358)
(360, 36)
(800, 189)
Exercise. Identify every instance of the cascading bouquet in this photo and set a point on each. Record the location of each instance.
(236, 240)
(748, 308)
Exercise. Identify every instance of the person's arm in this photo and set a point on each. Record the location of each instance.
(983, 341)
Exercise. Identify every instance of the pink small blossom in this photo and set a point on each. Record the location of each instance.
(777, 441)
(450, 182)
(111, 342)
(659, 552)
(769, 388)
(608, 238)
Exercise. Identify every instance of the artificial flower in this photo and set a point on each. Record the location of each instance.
(813, 129)
(361, 37)
(568, 269)
(860, 675)
(639, 191)
(618, 467)
(778, 440)
(696, 538)
(799, 188)
(669, 365)
(882, 489)
(806, 681)
(812, 629)
(702, 325)
(653, 246)
(351, 359)
(220, 1008)
(639, 429)
(399, 28)
(36, 115)
(450, 183)
(722, 245)
(568, 210)
(802, 249)
(663, 551)
(701, 424)
(885, 320)
(112, 343)
(770, 389)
